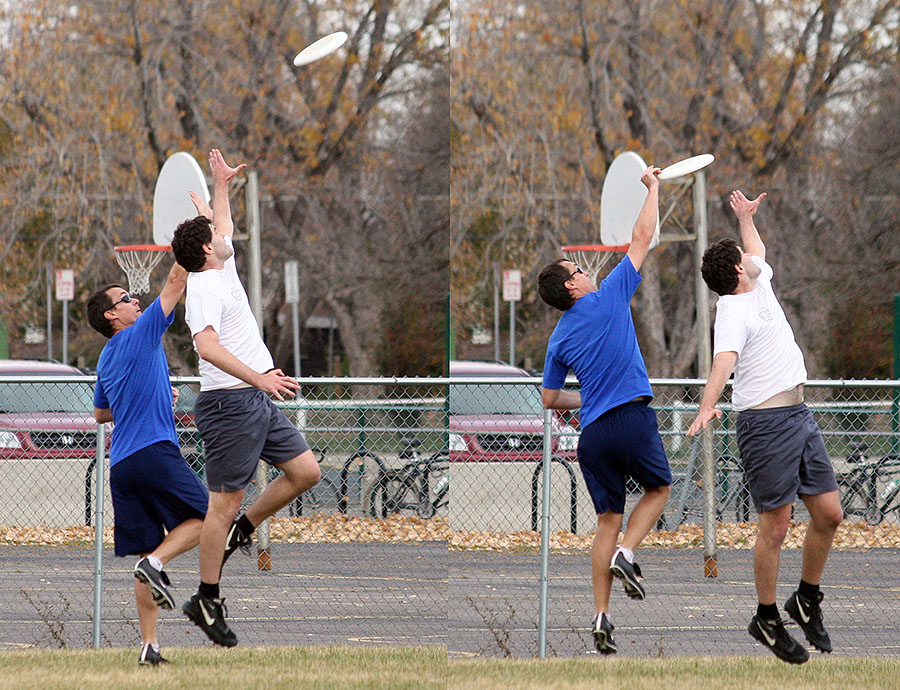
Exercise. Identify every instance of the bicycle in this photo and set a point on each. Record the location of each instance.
(859, 485)
(732, 494)
(421, 485)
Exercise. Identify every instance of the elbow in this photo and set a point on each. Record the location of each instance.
(548, 399)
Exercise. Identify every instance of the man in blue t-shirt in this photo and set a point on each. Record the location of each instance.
(595, 339)
(158, 501)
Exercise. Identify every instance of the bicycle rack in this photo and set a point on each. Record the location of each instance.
(88, 493)
(345, 474)
(573, 494)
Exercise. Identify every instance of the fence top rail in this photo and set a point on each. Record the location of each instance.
(444, 380)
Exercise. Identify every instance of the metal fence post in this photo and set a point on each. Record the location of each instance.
(545, 538)
(98, 532)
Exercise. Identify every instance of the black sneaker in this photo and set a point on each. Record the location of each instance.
(773, 635)
(808, 615)
(150, 657)
(234, 541)
(157, 581)
(603, 639)
(630, 574)
(209, 616)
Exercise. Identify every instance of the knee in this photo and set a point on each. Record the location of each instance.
(305, 472)
(774, 533)
(829, 520)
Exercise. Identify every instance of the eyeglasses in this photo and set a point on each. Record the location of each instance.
(577, 270)
(124, 298)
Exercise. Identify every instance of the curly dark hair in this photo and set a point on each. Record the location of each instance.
(188, 241)
(552, 288)
(97, 305)
(718, 266)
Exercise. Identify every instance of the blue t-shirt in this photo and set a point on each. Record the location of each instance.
(595, 338)
(133, 382)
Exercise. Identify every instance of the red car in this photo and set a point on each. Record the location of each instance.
(500, 422)
(45, 421)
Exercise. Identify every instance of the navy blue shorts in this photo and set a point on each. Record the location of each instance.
(623, 442)
(153, 491)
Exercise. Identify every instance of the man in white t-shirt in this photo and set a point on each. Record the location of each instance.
(237, 421)
(782, 450)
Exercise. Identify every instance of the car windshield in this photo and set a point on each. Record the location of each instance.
(48, 397)
(471, 399)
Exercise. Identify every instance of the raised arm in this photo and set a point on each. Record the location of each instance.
(173, 289)
(645, 226)
(745, 209)
(222, 175)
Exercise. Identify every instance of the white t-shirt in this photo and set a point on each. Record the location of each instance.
(217, 298)
(753, 324)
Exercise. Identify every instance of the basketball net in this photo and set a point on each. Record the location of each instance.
(138, 262)
(593, 258)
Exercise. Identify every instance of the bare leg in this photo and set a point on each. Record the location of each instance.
(181, 539)
(825, 516)
(223, 507)
(608, 526)
(148, 612)
(300, 473)
(773, 527)
(644, 516)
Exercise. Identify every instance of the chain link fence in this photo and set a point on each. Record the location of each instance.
(379, 552)
(361, 559)
(698, 562)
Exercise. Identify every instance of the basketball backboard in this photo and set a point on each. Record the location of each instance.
(621, 200)
(171, 202)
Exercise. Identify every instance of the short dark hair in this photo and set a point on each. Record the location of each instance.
(188, 241)
(552, 285)
(718, 266)
(97, 305)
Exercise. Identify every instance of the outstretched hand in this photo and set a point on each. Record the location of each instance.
(220, 170)
(650, 177)
(274, 382)
(200, 204)
(742, 206)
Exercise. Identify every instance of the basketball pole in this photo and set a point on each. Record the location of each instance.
(263, 557)
(704, 364)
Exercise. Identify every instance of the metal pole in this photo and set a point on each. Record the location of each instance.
(704, 364)
(99, 503)
(545, 538)
(255, 296)
(512, 332)
(49, 313)
(496, 312)
(895, 417)
(296, 328)
(65, 331)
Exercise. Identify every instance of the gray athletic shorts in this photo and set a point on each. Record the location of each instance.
(240, 426)
(783, 456)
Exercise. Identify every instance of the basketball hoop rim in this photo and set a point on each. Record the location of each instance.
(596, 248)
(144, 248)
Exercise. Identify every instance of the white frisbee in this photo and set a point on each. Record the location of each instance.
(171, 202)
(324, 46)
(686, 166)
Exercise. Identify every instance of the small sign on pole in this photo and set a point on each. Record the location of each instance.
(65, 284)
(291, 282)
(512, 285)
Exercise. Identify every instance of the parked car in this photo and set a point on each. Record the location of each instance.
(501, 422)
(41, 421)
